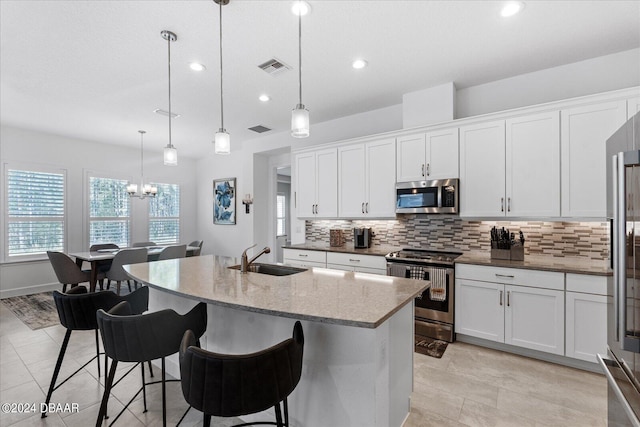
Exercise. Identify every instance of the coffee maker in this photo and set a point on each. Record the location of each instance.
(362, 237)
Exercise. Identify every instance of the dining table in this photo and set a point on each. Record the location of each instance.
(94, 258)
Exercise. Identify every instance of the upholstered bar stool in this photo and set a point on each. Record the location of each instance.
(77, 312)
(142, 338)
(235, 385)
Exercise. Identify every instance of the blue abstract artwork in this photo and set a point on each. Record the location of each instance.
(224, 201)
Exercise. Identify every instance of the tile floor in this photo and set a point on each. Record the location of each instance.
(469, 386)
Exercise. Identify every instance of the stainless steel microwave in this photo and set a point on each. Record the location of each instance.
(437, 196)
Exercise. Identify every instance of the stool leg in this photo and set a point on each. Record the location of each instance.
(98, 354)
(150, 369)
(278, 415)
(144, 389)
(56, 371)
(118, 287)
(207, 421)
(107, 391)
(164, 397)
(286, 412)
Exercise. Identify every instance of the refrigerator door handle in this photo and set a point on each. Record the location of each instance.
(619, 254)
(619, 395)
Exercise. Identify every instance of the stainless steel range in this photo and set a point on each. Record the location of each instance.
(434, 307)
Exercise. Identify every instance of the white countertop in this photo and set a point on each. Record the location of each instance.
(318, 294)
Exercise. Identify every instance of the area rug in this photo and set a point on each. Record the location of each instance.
(37, 311)
(429, 346)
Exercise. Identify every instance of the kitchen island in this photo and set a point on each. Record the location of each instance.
(358, 355)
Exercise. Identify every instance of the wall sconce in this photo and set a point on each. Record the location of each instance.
(247, 202)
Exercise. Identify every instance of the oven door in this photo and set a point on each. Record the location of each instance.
(440, 307)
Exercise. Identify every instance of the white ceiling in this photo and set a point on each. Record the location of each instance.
(96, 70)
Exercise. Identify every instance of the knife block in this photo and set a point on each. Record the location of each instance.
(516, 253)
(500, 253)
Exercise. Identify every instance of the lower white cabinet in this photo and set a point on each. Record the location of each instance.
(304, 258)
(480, 309)
(586, 316)
(357, 262)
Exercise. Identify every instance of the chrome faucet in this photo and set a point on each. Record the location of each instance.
(244, 260)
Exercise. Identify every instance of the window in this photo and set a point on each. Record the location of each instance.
(35, 212)
(109, 211)
(281, 214)
(164, 215)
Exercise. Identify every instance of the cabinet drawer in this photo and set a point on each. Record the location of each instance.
(511, 276)
(587, 284)
(357, 260)
(302, 255)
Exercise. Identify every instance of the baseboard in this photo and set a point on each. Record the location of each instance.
(29, 290)
(534, 354)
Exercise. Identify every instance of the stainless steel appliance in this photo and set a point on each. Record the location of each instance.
(362, 237)
(437, 196)
(621, 364)
(434, 307)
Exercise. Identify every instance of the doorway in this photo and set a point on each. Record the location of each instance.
(283, 210)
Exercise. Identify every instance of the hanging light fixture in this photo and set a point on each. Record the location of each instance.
(146, 190)
(300, 115)
(170, 152)
(221, 141)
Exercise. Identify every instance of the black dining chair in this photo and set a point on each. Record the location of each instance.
(77, 312)
(232, 385)
(141, 338)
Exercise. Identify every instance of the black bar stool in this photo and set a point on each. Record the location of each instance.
(77, 312)
(141, 338)
(234, 385)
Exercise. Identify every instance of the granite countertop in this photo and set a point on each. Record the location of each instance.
(318, 294)
(347, 248)
(577, 265)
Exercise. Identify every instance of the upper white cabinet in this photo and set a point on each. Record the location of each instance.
(482, 170)
(366, 173)
(316, 184)
(427, 156)
(584, 134)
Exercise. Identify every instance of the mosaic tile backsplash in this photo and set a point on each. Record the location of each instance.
(559, 239)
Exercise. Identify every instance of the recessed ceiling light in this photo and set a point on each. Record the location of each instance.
(300, 8)
(359, 63)
(196, 66)
(511, 8)
(264, 97)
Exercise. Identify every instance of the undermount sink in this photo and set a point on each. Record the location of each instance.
(271, 269)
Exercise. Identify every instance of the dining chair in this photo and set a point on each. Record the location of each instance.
(171, 252)
(67, 271)
(105, 265)
(142, 244)
(124, 257)
(195, 243)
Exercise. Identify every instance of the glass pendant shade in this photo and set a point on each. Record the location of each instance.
(146, 190)
(222, 142)
(170, 155)
(300, 122)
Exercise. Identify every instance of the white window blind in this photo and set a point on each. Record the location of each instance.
(109, 211)
(281, 214)
(164, 215)
(35, 212)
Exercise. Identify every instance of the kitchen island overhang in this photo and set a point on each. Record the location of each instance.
(358, 358)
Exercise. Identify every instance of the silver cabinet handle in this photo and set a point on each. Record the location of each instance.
(510, 276)
(423, 169)
(508, 204)
(303, 255)
(501, 204)
(354, 260)
(500, 297)
(316, 209)
(366, 207)
(508, 299)
(428, 170)
(362, 207)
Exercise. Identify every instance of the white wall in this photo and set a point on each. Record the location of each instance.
(19, 146)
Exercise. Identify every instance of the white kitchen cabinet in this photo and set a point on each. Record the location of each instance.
(428, 156)
(316, 184)
(493, 303)
(633, 107)
(304, 258)
(586, 316)
(357, 262)
(584, 131)
(366, 178)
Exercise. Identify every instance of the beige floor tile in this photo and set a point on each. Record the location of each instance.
(52, 420)
(42, 371)
(437, 402)
(88, 416)
(479, 415)
(14, 374)
(21, 339)
(29, 393)
(420, 417)
(435, 378)
(8, 354)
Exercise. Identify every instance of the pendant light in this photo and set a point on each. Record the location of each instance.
(300, 115)
(170, 152)
(146, 190)
(221, 141)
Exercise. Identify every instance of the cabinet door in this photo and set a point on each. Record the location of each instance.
(586, 326)
(411, 158)
(482, 170)
(534, 318)
(480, 309)
(351, 178)
(533, 165)
(305, 197)
(380, 179)
(327, 183)
(584, 131)
(442, 154)
(633, 107)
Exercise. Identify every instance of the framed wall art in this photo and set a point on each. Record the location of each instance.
(224, 201)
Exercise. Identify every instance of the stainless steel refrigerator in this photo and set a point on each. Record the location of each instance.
(621, 364)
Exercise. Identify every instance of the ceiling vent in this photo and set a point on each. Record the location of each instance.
(166, 113)
(260, 129)
(274, 67)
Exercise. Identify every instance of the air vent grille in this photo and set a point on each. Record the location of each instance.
(274, 67)
(260, 129)
(166, 113)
